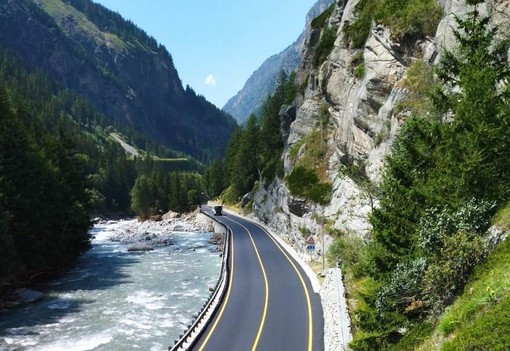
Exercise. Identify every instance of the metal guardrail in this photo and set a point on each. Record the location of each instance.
(195, 330)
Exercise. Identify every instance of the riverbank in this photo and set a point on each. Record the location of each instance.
(139, 235)
(116, 299)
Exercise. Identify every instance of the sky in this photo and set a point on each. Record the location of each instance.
(217, 44)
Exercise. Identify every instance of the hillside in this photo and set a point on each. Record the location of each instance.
(116, 66)
(262, 82)
(392, 139)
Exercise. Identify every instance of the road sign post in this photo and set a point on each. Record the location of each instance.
(310, 246)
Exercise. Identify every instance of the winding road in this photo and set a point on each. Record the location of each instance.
(269, 304)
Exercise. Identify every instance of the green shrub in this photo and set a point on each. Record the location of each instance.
(359, 72)
(305, 183)
(325, 46)
(320, 21)
(450, 268)
(349, 250)
(473, 217)
(404, 287)
(357, 32)
(414, 18)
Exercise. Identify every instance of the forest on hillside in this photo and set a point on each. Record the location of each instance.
(122, 72)
(59, 166)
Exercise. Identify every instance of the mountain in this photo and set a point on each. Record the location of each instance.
(262, 82)
(122, 71)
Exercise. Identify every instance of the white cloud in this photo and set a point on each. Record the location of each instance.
(210, 80)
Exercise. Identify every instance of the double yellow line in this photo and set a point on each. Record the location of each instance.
(266, 284)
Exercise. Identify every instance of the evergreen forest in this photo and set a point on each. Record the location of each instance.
(59, 166)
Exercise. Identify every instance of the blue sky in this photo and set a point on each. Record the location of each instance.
(217, 44)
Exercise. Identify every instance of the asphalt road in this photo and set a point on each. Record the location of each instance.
(270, 304)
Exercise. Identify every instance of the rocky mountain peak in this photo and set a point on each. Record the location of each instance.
(263, 81)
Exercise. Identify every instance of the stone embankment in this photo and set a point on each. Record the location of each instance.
(337, 324)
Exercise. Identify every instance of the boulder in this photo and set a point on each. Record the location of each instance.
(139, 247)
(171, 215)
(29, 296)
(245, 200)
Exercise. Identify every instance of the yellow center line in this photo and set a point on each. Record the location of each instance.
(228, 294)
(266, 300)
(307, 295)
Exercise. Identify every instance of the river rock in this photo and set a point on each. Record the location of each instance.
(29, 296)
(139, 247)
(171, 215)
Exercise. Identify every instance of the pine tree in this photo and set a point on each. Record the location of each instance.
(476, 139)
(142, 197)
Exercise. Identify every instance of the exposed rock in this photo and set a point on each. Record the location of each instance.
(263, 81)
(287, 116)
(245, 200)
(171, 215)
(139, 247)
(29, 296)
(363, 121)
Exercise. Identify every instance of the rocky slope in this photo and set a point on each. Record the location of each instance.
(263, 81)
(362, 124)
(124, 73)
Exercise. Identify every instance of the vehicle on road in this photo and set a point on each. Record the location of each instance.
(218, 210)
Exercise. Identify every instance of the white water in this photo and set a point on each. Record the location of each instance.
(115, 300)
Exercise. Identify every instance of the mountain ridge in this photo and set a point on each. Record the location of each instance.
(122, 71)
(262, 81)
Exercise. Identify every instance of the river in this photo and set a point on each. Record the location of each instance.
(118, 300)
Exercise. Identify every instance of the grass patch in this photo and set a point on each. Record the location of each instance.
(420, 84)
(305, 183)
(480, 317)
(489, 285)
(294, 149)
(413, 18)
(502, 218)
(414, 337)
(491, 331)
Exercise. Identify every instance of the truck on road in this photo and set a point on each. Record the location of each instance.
(218, 210)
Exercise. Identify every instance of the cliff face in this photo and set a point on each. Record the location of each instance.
(363, 120)
(262, 82)
(117, 67)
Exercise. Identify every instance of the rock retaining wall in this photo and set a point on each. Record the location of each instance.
(337, 324)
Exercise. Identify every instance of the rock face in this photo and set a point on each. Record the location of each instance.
(124, 73)
(263, 81)
(363, 120)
